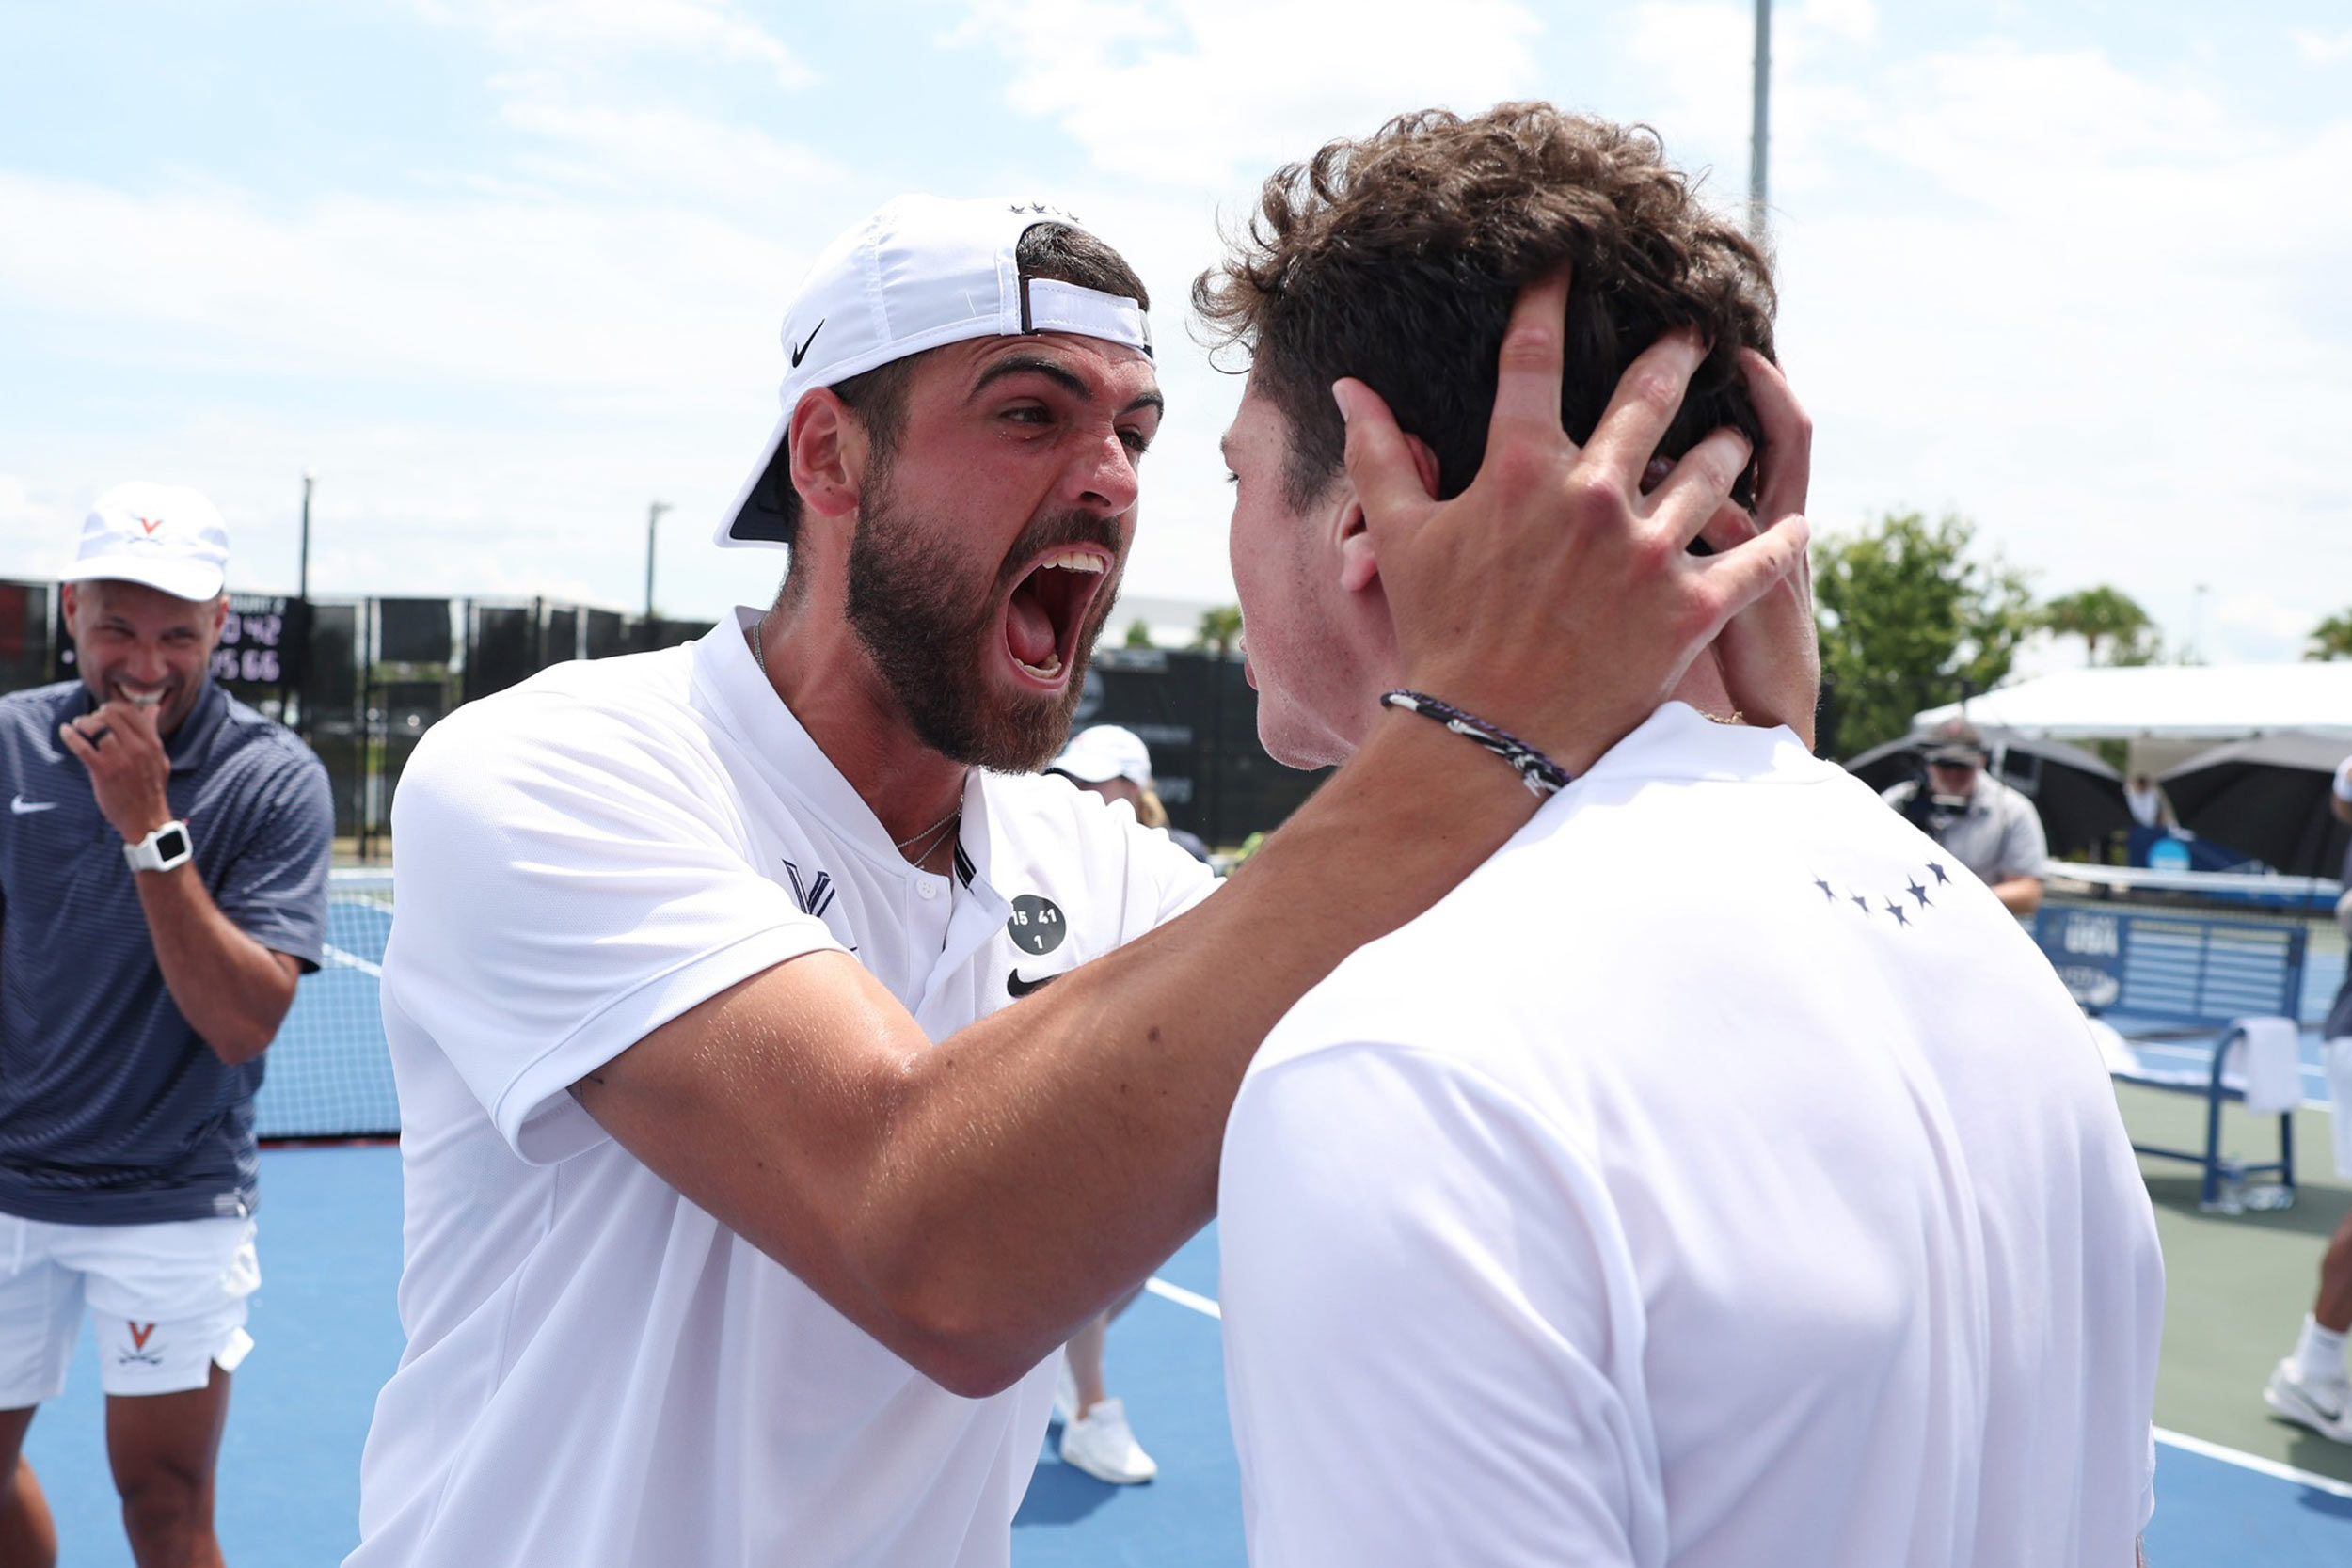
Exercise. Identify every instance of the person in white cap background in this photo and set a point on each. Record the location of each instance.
(1112, 762)
(163, 884)
(746, 1199)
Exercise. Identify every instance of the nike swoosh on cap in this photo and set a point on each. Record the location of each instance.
(802, 352)
(20, 805)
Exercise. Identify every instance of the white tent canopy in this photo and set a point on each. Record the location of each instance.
(2168, 702)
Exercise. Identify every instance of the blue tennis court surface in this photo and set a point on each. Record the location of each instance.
(327, 1335)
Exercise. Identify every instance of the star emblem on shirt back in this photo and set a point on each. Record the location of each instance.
(1891, 903)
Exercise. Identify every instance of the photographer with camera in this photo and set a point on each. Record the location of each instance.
(1989, 827)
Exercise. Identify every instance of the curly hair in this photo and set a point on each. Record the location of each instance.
(1396, 259)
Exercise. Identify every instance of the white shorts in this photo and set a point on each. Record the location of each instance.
(167, 1301)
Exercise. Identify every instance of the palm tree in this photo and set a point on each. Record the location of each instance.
(1220, 631)
(2331, 638)
(2104, 616)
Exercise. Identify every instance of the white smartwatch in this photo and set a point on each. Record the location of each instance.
(161, 850)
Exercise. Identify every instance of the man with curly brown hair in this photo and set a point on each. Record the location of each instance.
(1714, 1176)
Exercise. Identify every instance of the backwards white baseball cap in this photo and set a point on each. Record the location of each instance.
(919, 273)
(1105, 752)
(163, 535)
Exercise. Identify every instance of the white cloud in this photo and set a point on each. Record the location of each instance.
(1856, 20)
(712, 28)
(2093, 309)
(519, 293)
(661, 152)
(2321, 49)
(1193, 92)
(37, 530)
(2254, 628)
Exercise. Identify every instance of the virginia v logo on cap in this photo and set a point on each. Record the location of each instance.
(166, 537)
(919, 273)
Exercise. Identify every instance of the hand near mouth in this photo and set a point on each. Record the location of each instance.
(129, 769)
(1556, 596)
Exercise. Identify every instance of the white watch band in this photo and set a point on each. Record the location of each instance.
(166, 848)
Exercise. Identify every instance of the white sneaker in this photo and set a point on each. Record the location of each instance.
(2323, 1404)
(1101, 1444)
(1065, 1391)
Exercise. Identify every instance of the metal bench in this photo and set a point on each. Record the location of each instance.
(2162, 975)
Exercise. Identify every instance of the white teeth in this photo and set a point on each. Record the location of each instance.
(142, 699)
(1077, 561)
(1046, 671)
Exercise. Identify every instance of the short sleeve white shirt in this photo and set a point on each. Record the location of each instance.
(598, 1373)
(1717, 1176)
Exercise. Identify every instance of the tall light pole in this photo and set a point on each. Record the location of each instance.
(653, 521)
(1760, 136)
(302, 576)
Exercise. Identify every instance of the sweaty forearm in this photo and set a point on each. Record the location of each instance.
(1044, 1159)
(232, 990)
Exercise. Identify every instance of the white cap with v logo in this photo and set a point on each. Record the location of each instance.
(166, 537)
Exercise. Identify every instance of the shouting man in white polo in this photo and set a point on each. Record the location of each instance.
(745, 1204)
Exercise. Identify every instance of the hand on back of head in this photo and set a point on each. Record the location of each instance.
(1555, 598)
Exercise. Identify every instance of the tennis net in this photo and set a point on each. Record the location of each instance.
(329, 1074)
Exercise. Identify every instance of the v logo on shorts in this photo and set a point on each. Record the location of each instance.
(138, 1335)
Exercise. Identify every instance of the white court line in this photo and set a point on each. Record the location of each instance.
(335, 955)
(1182, 1297)
(2249, 1462)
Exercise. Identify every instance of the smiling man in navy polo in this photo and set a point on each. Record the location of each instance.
(163, 884)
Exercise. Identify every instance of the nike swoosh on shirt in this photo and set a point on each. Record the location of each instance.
(1019, 987)
(20, 805)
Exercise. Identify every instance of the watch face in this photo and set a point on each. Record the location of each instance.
(173, 843)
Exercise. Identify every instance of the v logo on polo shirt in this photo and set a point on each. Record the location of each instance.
(814, 897)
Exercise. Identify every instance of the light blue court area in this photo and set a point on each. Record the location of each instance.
(326, 1337)
(1166, 1361)
(2214, 1506)
(327, 1334)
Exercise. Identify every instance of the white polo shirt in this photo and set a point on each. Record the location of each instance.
(1719, 1176)
(598, 1371)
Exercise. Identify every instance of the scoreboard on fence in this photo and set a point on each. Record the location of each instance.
(263, 637)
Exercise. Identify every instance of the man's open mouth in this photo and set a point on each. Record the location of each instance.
(1047, 610)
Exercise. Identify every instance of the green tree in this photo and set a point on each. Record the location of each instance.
(1220, 629)
(1139, 634)
(2108, 621)
(1910, 618)
(2331, 638)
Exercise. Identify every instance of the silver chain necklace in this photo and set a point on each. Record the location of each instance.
(929, 839)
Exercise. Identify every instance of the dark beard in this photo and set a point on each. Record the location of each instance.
(929, 637)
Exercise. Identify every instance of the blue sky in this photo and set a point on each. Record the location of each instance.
(503, 273)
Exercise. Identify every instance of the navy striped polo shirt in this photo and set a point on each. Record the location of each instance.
(111, 1110)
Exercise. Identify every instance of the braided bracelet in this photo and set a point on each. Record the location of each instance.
(1538, 772)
